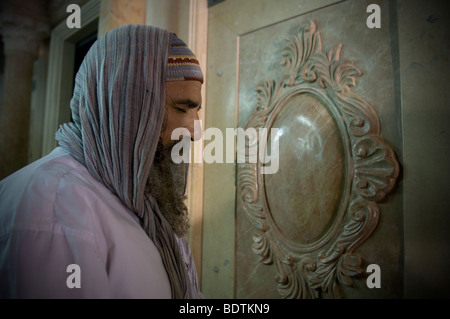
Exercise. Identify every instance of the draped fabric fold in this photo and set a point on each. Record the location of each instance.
(117, 112)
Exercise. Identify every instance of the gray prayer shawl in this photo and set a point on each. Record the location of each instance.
(117, 112)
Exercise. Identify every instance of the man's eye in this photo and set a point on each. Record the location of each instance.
(195, 106)
(181, 109)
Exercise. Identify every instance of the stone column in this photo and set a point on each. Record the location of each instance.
(22, 37)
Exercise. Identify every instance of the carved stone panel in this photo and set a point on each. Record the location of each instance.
(334, 169)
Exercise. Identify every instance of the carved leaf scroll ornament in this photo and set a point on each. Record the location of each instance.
(372, 169)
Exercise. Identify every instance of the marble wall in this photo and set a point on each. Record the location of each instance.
(424, 58)
(260, 60)
(120, 12)
(403, 64)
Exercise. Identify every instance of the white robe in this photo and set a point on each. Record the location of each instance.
(53, 213)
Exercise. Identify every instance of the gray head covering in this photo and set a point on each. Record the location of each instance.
(117, 112)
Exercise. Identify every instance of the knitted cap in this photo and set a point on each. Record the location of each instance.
(182, 65)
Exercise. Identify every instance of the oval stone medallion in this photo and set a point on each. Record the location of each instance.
(303, 196)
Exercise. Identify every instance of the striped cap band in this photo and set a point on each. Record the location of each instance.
(182, 65)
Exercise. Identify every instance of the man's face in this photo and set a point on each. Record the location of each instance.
(183, 101)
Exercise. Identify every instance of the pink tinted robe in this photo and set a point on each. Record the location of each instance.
(53, 214)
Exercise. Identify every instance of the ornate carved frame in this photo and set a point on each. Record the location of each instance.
(372, 171)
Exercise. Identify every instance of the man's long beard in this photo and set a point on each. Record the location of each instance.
(166, 184)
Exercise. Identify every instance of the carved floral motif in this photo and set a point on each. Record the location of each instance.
(305, 270)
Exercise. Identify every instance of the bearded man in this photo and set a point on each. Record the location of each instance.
(105, 208)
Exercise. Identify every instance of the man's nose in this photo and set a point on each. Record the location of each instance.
(196, 129)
